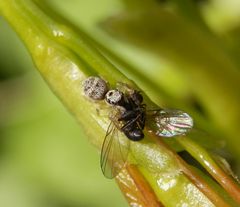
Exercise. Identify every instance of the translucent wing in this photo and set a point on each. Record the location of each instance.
(169, 123)
(114, 152)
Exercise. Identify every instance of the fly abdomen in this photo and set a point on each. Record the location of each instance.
(135, 134)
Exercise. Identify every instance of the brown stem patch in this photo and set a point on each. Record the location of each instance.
(136, 189)
(195, 178)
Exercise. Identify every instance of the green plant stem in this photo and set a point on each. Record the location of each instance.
(199, 182)
(136, 189)
(203, 157)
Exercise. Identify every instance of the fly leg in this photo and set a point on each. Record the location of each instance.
(127, 115)
(130, 124)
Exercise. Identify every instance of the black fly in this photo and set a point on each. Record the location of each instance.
(128, 119)
(128, 116)
(132, 115)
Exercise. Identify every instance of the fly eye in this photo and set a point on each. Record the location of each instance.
(95, 88)
(114, 97)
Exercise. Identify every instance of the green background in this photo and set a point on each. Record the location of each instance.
(45, 158)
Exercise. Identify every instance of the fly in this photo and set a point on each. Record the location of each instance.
(130, 117)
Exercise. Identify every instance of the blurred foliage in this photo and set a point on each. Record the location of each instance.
(45, 158)
(43, 164)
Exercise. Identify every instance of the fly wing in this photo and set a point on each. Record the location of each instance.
(169, 123)
(114, 152)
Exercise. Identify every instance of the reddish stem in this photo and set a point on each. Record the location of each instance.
(136, 189)
(196, 179)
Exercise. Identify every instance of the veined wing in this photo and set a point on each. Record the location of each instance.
(169, 122)
(114, 152)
